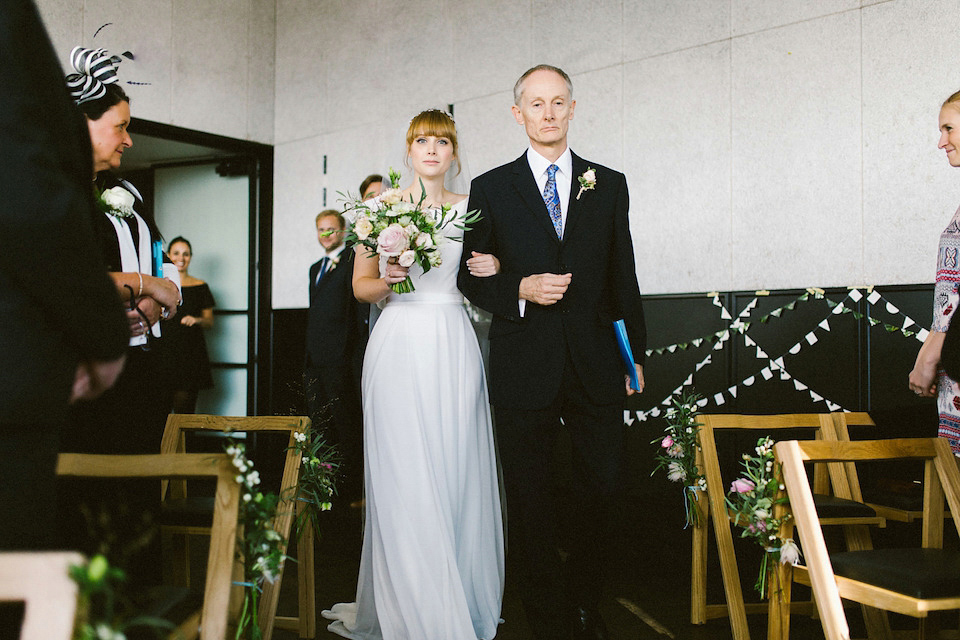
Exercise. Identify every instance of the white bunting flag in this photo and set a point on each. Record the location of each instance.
(892, 309)
(718, 398)
(702, 402)
(831, 405)
(811, 339)
(672, 348)
(641, 416)
(872, 299)
(795, 349)
(749, 381)
(922, 335)
(784, 375)
(816, 397)
(824, 325)
(689, 380)
(627, 418)
(908, 322)
(724, 314)
(778, 362)
(799, 386)
(761, 354)
(655, 412)
(747, 340)
(733, 391)
(766, 373)
(837, 310)
(855, 295)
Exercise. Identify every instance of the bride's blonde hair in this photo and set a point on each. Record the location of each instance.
(434, 122)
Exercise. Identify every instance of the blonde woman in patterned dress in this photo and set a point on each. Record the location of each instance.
(928, 378)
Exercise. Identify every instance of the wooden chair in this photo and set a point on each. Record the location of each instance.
(845, 510)
(211, 622)
(176, 500)
(42, 582)
(908, 581)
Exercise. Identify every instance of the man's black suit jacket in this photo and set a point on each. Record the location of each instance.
(336, 322)
(57, 304)
(528, 354)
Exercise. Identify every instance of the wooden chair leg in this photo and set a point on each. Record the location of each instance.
(779, 592)
(698, 573)
(307, 582)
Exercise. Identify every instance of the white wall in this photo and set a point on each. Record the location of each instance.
(767, 143)
(209, 62)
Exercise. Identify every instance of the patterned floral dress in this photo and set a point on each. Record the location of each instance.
(945, 300)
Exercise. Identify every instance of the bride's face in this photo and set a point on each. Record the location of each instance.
(431, 155)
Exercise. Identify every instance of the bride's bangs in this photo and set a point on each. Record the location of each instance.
(433, 123)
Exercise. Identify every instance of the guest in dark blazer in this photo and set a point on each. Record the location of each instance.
(336, 337)
(62, 330)
(560, 228)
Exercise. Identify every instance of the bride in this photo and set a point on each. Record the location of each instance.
(432, 561)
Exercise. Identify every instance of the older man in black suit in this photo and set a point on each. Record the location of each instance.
(62, 330)
(559, 226)
(336, 338)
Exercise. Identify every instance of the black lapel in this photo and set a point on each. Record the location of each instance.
(574, 212)
(526, 186)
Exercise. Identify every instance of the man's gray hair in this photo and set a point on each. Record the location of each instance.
(518, 87)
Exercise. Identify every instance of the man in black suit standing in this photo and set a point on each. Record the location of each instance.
(336, 338)
(559, 226)
(63, 333)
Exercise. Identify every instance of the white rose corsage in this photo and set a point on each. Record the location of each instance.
(587, 181)
(117, 202)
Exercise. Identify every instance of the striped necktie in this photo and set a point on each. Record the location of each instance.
(552, 199)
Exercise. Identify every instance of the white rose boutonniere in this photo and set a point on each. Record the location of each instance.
(587, 181)
(117, 202)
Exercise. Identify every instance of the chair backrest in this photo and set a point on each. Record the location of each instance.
(216, 595)
(42, 582)
(844, 486)
(174, 441)
(941, 479)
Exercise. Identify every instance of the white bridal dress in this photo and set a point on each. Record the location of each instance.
(432, 562)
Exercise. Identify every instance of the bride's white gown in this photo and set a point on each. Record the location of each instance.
(432, 562)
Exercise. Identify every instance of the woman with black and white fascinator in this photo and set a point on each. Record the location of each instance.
(130, 418)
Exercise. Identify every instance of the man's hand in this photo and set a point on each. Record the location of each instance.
(93, 378)
(631, 390)
(544, 288)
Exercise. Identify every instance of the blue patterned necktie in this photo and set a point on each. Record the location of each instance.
(552, 199)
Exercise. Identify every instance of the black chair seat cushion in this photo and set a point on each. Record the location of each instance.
(921, 573)
(188, 512)
(833, 507)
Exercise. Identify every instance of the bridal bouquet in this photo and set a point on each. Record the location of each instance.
(402, 229)
(751, 501)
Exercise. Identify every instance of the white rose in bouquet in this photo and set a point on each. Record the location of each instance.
(391, 197)
(407, 258)
(423, 241)
(363, 227)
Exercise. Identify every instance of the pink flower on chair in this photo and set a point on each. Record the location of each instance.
(742, 485)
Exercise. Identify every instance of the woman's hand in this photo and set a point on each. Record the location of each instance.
(923, 379)
(483, 265)
(393, 273)
(189, 321)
